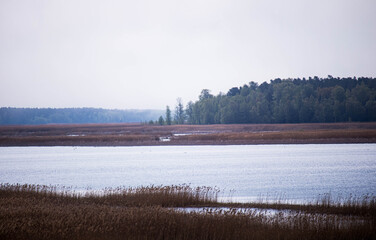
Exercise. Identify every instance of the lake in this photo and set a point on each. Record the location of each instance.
(244, 172)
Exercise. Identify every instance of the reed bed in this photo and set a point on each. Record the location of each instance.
(164, 196)
(286, 135)
(138, 134)
(364, 205)
(45, 212)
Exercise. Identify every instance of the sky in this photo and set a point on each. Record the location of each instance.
(144, 54)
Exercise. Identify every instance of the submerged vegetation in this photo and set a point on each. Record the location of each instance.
(41, 212)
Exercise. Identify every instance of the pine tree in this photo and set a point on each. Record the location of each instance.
(168, 115)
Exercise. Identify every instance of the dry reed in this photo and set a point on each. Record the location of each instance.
(41, 212)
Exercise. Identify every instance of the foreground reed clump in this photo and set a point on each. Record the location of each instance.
(164, 196)
(40, 212)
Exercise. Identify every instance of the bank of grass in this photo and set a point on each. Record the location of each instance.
(332, 134)
(40, 212)
(362, 206)
(138, 134)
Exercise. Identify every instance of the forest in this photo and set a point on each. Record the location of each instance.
(312, 100)
(20, 116)
(297, 100)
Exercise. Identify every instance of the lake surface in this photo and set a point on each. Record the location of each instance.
(295, 172)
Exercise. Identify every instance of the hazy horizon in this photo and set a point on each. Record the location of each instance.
(145, 54)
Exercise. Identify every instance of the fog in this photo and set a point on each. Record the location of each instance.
(145, 54)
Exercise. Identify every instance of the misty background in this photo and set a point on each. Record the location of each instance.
(144, 54)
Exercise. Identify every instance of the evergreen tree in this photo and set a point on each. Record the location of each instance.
(286, 101)
(161, 121)
(179, 116)
(168, 115)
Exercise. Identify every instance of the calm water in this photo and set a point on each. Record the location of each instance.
(297, 172)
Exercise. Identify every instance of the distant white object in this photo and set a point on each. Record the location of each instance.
(164, 139)
(181, 134)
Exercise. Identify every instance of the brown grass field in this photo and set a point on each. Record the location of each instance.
(41, 212)
(139, 134)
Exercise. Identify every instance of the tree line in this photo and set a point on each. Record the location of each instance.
(74, 115)
(283, 101)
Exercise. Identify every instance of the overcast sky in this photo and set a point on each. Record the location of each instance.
(144, 54)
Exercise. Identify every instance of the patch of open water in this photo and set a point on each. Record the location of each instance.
(243, 172)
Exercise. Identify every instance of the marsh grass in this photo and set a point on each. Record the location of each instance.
(138, 134)
(285, 135)
(363, 206)
(164, 196)
(45, 212)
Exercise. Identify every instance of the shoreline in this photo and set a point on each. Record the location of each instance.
(207, 143)
(186, 135)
